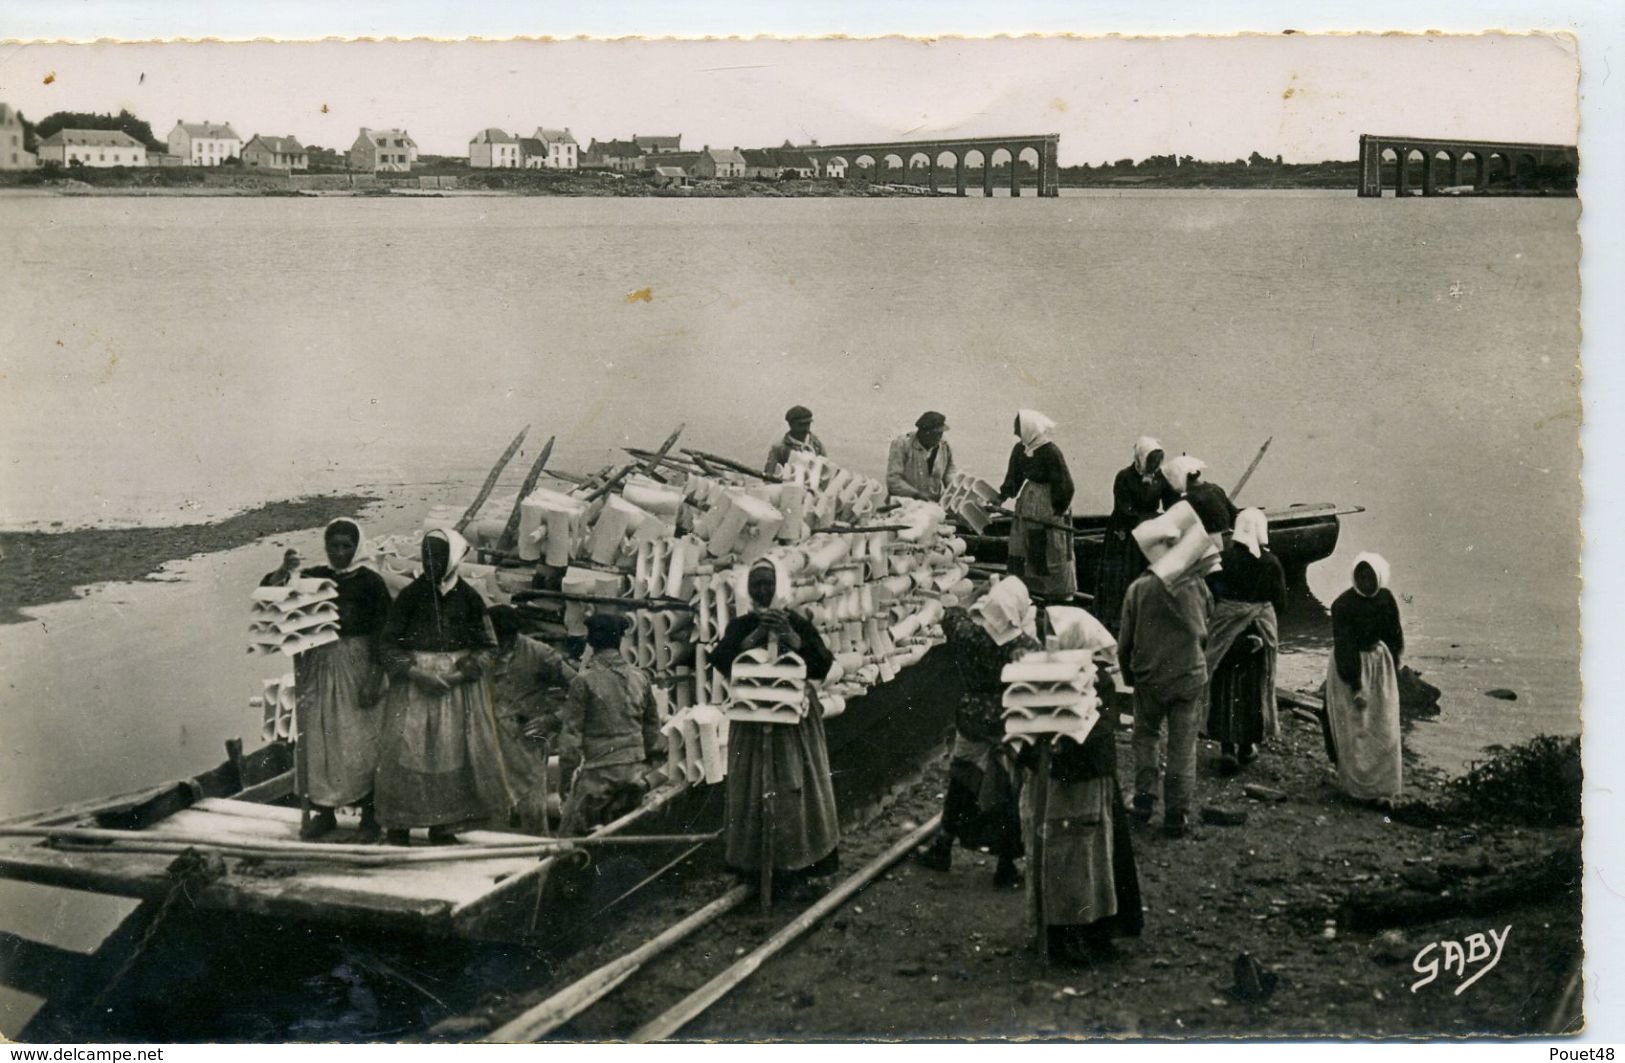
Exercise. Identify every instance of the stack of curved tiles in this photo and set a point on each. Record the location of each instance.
(834, 495)
(277, 704)
(970, 499)
(294, 618)
(768, 686)
(697, 745)
(1050, 695)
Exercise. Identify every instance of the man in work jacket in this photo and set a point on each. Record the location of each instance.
(920, 461)
(611, 735)
(799, 438)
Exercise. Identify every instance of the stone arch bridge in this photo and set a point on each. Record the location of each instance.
(1455, 162)
(952, 155)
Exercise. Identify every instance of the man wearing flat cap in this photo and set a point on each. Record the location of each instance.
(611, 739)
(920, 461)
(799, 438)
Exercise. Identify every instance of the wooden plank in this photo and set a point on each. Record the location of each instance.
(272, 789)
(491, 480)
(40, 968)
(83, 809)
(276, 813)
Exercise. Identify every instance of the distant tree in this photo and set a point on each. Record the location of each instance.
(124, 121)
(1123, 164)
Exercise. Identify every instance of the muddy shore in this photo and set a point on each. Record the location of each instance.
(926, 955)
(53, 566)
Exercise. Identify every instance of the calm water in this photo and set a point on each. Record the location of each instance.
(170, 359)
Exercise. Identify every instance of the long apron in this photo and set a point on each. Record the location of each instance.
(441, 762)
(1367, 740)
(799, 805)
(1088, 876)
(337, 752)
(1046, 560)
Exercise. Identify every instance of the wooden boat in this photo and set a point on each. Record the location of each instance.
(1300, 535)
(249, 800)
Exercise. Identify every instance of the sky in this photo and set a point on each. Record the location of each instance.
(1304, 97)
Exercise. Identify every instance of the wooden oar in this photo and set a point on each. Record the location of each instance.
(521, 597)
(491, 480)
(729, 463)
(665, 448)
(609, 485)
(510, 532)
(1248, 474)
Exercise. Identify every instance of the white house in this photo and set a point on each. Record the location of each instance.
(493, 149)
(204, 143)
(383, 151)
(559, 149)
(12, 154)
(93, 147)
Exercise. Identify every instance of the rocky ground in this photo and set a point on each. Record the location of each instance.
(922, 954)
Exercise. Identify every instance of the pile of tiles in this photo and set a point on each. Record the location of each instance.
(294, 618)
(1050, 694)
(277, 704)
(769, 686)
(972, 500)
(697, 744)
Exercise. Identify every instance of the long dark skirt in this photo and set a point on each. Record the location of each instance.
(1241, 697)
(983, 808)
(794, 802)
(1121, 563)
(1091, 887)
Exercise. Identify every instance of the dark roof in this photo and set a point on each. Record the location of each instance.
(210, 130)
(531, 146)
(617, 148)
(279, 145)
(778, 158)
(94, 138)
(493, 136)
(673, 143)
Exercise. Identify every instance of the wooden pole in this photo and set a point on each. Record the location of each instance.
(729, 463)
(660, 455)
(1035, 861)
(578, 996)
(1248, 474)
(510, 531)
(609, 485)
(667, 1024)
(491, 480)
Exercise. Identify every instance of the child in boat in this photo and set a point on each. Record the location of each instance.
(528, 680)
(611, 740)
(1362, 685)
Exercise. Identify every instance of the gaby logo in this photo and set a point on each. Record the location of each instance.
(1457, 956)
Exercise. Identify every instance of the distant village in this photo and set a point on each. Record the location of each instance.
(393, 151)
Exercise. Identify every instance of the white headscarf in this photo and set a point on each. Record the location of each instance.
(1178, 471)
(1006, 611)
(1378, 566)
(781, 585)
(1144, 447)
(1034, 429)
(1252, 530)
(459, 550)
(357, 558)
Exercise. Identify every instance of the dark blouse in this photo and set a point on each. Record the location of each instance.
(415, 624)
(363, 601)
(1134, 501)
(980, 662)
(813, 651)
(1046, 466)
(1245, 578)
(1358, 624)
(1218, 513)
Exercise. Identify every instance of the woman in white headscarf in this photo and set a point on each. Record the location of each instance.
(1243, 637)
(1041, 548)
(796, 807)
(1362, 684)
(339, 685)
(1184, 476)
(981, 808)
(440, 765)
(1138, 494)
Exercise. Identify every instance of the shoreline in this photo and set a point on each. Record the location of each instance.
(43, 567)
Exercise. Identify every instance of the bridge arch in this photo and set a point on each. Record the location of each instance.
(1485, 165)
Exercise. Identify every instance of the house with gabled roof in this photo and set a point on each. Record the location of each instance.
(719, 162)
(275, 153)
(93, 147)
(560, 150)
(204, 143)
(383, 151)
(13, 156)
(494, 149)
(658, 145)
(778, 162)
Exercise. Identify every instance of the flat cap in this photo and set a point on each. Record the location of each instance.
(930, 419)
(797, 413)
(605, 629)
